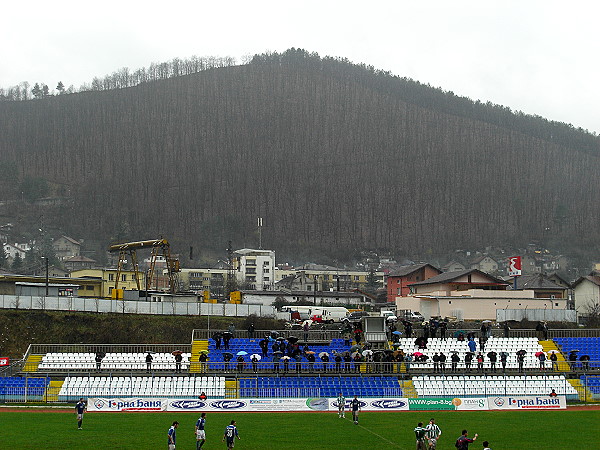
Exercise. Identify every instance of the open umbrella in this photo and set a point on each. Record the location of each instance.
(355, 354)
(367, 352)
(277, 353)
(281, 338)
(309, 352)
(176, 352)
(292, 339)
(417, 354)
(486, 321)
(396, 344)
(285, 358)
(397, 333)
(323, 354)
(355, 348)
(241, 353)
(256, 356)
(228, 333)
(571, 351)
(553, 351)
(203, 351)
(537, 354)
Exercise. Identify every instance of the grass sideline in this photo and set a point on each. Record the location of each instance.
(265, 431)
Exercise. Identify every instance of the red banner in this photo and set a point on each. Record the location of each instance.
(514, 266)
(4, 361)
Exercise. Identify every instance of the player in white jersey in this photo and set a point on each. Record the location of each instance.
(341, 402)
(432, 433)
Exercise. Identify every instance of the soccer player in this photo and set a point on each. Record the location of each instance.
(200, 433)
(432, 434)
(355, 405)
(341, 401)
(420, 436)
(462, 443)
(79, 410)
(230, 434)
(172, 435)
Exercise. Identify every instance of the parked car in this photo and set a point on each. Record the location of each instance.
(356, 316)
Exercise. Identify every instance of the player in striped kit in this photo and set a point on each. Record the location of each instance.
(433, 433)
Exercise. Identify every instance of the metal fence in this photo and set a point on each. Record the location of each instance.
(132, 307)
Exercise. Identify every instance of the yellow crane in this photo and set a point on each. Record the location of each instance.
(159, 247)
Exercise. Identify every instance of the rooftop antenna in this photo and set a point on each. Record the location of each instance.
(260, 224)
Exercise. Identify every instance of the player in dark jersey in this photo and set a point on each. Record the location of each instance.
(230, 434)
(200, 433)
(79, 410)
(355, 405)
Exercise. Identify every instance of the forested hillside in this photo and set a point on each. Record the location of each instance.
(332, 156)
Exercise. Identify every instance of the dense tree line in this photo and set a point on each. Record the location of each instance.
(333, 156)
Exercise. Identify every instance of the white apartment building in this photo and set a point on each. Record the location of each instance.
(255, 269)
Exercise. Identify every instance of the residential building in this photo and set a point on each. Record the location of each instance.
(66, 247)
(12, 250)
(453, 266)
(332, 278)
(127, 280)
(78, 262)
(399, 280)
(586, 291)
(485, 263)
(204, 279)
(255, 269)
(470, 295)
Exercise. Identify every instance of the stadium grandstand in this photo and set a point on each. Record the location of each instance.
(288, 363)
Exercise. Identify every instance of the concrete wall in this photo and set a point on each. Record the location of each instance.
(585, 293)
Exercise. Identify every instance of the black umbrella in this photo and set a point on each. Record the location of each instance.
(277, 353)
(292, 339)
(225, 354)
(281, 338)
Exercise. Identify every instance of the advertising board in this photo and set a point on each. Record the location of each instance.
(528, 402)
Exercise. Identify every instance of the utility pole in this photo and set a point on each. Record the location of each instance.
(260, 224)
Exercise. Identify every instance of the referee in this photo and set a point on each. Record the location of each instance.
(433, 433)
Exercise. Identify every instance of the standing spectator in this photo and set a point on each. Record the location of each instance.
(503, 360)
(554, 360)
(347, 361)
(286, 364)
(149, 362)
(217, 338)
(493, 357)
(573, 359)
(521, 360)
(442, 362)
(420, 436)
(226, 338)
(407, 328)
(443, 329)
(80, 408)
(482, 341)
(506, 329)
(358, 335)
(407, 360)
(230, 434)
(305, 328)
(202, 358)
(172, 435)
(338, 363)
(226, 358)
(542, 359)
(99, 357)
(355, 405)
(178, 359)
(472, 345)
(433, 326)
(468, 360)
(264, 347)
(545, 330)
(553, 393)
(251, 331)
(202, 396)
(276, 363)
(436, 362)
(585, 362)
(240, 363)
(231, 329)
(455, 360)
(540, 330)
(254, 359)
(200, 432)
(479, 362)
(433, 433)
(462, 443)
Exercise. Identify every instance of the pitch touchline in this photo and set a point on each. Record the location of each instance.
(372, 432)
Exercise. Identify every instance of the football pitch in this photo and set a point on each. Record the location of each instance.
(261, 431)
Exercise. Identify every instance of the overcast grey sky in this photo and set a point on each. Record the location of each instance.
(541, 57)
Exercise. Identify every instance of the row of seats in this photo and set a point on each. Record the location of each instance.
(111, 361)
(142, 386)
(427, 386)
(586, 345)
(22, 386)
(497, 345)
(320, 387)
(591, 382)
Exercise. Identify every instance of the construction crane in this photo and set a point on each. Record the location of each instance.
(159, 247)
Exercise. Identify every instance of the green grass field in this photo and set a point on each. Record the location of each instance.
(258, 431)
